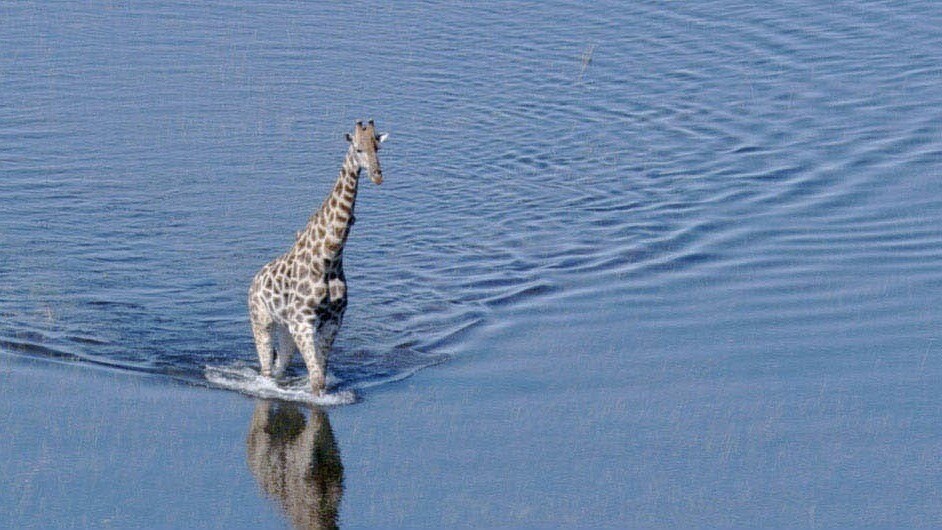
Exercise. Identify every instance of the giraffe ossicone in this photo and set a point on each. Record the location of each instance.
(297, 301)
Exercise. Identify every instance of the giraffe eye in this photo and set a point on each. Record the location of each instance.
(359, 150)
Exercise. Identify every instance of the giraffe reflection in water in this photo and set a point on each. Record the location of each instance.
(296, 461)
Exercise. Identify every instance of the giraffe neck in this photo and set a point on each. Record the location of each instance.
(327, 230)
(344, 194)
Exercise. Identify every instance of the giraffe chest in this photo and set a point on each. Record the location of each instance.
(304, 292)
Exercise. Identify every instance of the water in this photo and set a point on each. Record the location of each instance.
(722, 218)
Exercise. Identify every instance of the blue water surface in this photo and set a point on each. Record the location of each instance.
(696, 245)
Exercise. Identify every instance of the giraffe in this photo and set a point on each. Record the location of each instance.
(300, 297)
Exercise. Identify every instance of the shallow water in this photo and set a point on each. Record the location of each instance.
(725, 216)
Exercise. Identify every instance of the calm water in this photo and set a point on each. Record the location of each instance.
(722, 218)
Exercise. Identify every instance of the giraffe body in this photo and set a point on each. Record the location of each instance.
(297, 301)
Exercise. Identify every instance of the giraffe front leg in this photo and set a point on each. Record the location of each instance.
(314, 356)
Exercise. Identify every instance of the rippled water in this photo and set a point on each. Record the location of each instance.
(719, 220)
(758, 185)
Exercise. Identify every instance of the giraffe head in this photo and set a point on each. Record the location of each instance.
(365, 143)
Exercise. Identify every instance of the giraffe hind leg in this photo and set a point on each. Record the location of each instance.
(284, 352)
(262, 325)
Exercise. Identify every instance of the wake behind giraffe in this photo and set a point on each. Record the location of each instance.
(300, 297)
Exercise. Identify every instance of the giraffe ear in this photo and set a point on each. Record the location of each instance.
(382, 137)
(348, 137)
